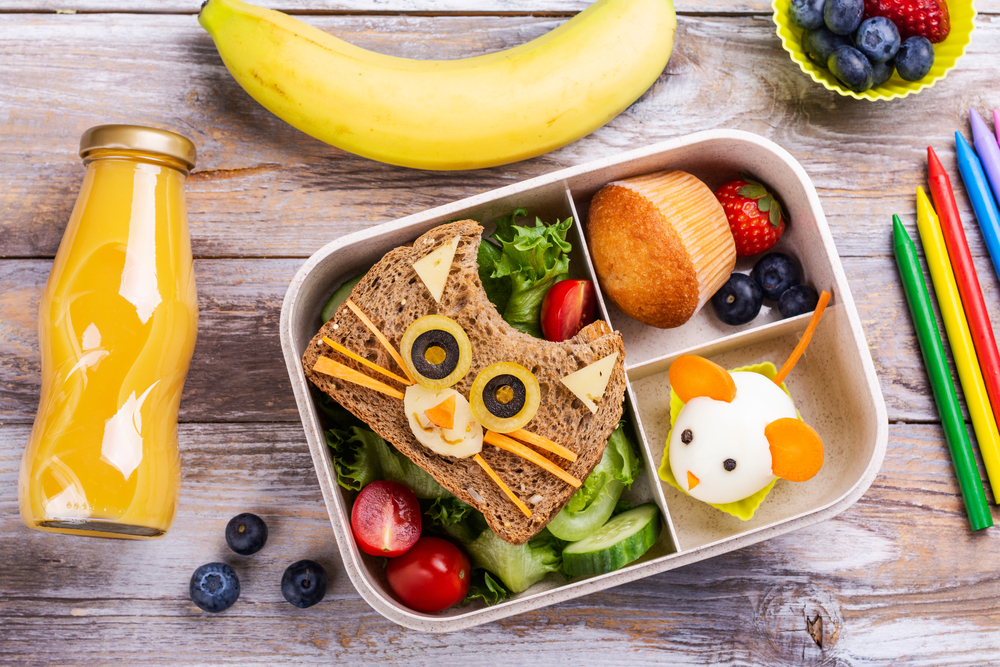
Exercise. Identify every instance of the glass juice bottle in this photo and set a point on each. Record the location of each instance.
(117, 326)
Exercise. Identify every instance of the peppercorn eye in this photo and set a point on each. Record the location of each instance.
(729, 465)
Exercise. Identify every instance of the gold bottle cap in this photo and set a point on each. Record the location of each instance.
(138, 138)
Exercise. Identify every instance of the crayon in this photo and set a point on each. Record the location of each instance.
(988, 151)
(942, 386)
(966, 277)
(979, 193)
(996, 124)
(960, 339)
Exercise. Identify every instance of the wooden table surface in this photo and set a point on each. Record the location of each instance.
(896, 579)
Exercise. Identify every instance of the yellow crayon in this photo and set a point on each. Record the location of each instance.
(960, 339)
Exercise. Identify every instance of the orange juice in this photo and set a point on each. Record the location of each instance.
(117, 327)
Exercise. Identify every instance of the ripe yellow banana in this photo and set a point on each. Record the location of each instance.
(447, 114)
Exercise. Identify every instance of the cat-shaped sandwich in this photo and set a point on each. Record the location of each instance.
(508, 423)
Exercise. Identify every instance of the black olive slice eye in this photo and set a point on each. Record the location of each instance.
(687, 436)
(504, 397)
(435, 354)
(729, 465)
(436, 351)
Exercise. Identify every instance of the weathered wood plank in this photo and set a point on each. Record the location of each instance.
(443, 6)
(238, 373)
(395, 6)
(896, 578)
(263, 188)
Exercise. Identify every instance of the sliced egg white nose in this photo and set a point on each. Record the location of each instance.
(464, 439)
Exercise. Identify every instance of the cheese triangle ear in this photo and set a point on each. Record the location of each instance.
(796, 449)
(589, 383)
(434, 267)
(692, 376)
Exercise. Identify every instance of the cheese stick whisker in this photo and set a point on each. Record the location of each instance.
(328, 366)
(380, 336)
(361, 360)
(514, 447)
(542, 443)
(503, 487)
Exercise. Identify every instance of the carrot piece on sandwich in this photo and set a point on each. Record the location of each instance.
(442, 415)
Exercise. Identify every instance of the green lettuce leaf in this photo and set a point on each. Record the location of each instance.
(448, 511)
(497, 289)
(531, 260)
(518, 567)
(485, 587)
(361, 457)
(622, 506)
(594, 502)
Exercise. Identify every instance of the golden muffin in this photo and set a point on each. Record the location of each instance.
(661, 246)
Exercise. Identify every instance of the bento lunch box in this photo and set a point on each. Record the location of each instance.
(834, 385)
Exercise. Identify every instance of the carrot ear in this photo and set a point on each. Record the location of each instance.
(692, 376)
(796, 449)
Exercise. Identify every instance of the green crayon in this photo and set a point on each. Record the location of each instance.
(942, 383)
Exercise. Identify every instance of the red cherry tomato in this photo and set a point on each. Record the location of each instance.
(568, 307)
(432, 576)
(386, 519)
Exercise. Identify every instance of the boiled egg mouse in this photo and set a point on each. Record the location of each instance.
(736, 433)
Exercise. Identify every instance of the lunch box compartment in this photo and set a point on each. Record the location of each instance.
(823, 385)
(715, 164)
(834, 385)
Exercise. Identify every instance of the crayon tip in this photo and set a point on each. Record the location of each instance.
(934, 168)
(899, 231)
(924, 207)
(979, 129)
(961, 143)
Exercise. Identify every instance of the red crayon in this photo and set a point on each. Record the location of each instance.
(965, 275)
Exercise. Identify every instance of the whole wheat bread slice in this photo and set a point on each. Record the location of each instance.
(393, 296)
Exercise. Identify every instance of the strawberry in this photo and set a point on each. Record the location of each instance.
(913, 18)
(754, 215)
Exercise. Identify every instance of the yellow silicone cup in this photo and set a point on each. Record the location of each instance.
(946, 54)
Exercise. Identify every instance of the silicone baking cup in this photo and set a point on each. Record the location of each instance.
(946, 54)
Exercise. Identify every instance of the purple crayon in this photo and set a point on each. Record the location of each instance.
(996, 123)
(988, 151)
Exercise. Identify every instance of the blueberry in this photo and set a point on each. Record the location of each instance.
(843, 16)
(304, 583)
(878, 39)
(797, 300)
(882, 72)
(915, 58)
(739, 300)
(852, 68)
(806, 14)
(818, 44)
(246, 534)
(214, 587)
(775, 273)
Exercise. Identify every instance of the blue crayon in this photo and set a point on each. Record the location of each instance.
(978, 189)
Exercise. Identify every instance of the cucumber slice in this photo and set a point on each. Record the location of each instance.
(615, 544)
(339, 297)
